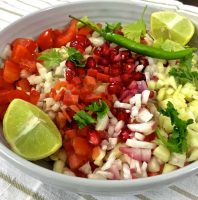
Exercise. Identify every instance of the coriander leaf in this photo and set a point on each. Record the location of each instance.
(76, 57)
(177, 141)
(112, 27)
(184, 73)
(136, 29)
(100, 108)
(84, 19)
(83, 119)
(51, 58)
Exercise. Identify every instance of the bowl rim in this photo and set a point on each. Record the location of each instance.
(39, 171)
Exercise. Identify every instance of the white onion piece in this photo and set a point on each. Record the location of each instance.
(139, 136)
(118, 104)
(86, 168)
(119, 126)
(126, 171)
(134, 111)
(145, 96)
(144, 115)
(145, 128)
(140, 144)
(102, 123)
(138, 100)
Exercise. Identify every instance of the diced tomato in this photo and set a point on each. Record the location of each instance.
(85, 31)
(29, 65)
(57, 32)
(7, 96)
(81, 146)
(59, 96)
(67, 36)
(71, 133)
(76, 80)
(70, 99)
(91, 97)
(34, 96)
(68, 147)
(24, 85)
(30, 44)
(89, 82)
(60, 84)
(95, 152)
(85, 90)
(75, 161)
(102, 77)
(11, 72)
(92, 72)
(61, 120)
(75, 108)
(3, 109)
(83, 131)
(45, 39)
(20, 53)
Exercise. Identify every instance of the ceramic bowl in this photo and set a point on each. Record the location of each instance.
(99, 11)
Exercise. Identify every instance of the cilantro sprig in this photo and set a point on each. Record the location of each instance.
(184, 73)
(177, 141)
(76, 57)
(83, 118)
(136, 29)
(51, 58)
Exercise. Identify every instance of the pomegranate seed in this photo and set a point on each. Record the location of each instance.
(105, 49)
(152, 94)
(81, 71)
(70, 64)
(81, 38)
(125, 54)
(130, 61)
(115, 79)
(126, 78)
(97, 51)
(122, 115)
(128, 68)
(138, 76)
(133, 85)
(116, 65)
(70, 74)
(94, 138)
(91, 63)
(124, 135)
(115, 88)
(114, 71)
(103, 61)
(80, 48)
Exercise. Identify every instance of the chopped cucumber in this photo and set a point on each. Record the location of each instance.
(168, 168)
(177, 159)
(162, 153)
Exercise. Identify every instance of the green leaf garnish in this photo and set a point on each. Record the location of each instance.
(135, 30)
(177, 141)
(51, 58)
(76, 57)
(83, 119)
(100, 108)
(112, 27)
(184, 73)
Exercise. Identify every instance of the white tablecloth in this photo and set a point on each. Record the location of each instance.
(15, 185)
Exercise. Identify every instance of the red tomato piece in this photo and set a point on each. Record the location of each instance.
(102, 77)
(67, 36)
(24, 85)
(34, 96)
(89, 82)
(20, 53)
(29, 65)
(45, 39)
(85, 31)
(3, 109)
(71, 133)
(81, 146)
(7, 96)
(70, 99)
(30, 44)
(75, 161)
(91, 97)
(11, 72)
(61, 120)
(92, 72)
(84, 131)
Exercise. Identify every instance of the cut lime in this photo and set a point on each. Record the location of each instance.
(29, 131)
(171, 25)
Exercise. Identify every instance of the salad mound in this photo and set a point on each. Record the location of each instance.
(124, 102)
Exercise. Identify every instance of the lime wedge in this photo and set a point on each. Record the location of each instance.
(29, 131)
(171, 25)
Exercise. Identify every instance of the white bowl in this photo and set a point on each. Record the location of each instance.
(98, 10)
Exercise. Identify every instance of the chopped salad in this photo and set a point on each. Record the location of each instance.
(123, 99)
